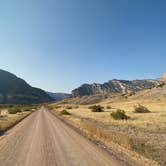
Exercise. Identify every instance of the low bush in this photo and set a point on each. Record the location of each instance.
(131, 94)
(14, 110)
(57, 106)
(3, 106)
(141, 109)
(69, 107)
(96, 108)
(27, 109)
(108, 107)
(21, 108)
(160, 85)
(119, 115)
(64, 112)
(49, 107)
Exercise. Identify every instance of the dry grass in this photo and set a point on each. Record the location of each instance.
(8, 121)
(143, 133)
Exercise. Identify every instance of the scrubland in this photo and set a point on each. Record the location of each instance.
(143, 133)
(12, 114)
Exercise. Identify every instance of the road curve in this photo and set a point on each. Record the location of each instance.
(43, 140)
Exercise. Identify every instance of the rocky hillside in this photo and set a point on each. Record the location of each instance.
(14, 90)
(115, 86)
(58, 96)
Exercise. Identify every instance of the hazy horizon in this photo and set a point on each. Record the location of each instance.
(59, 45)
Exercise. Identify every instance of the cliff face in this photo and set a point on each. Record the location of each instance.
(14, 90)
(115, 86)
(164, 77)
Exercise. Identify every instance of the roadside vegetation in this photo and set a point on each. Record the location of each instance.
(12, 114)
(64, 112)
(140, 128)
(69, 107)
(141, 109)
(96, 108)
(119, 115)
(108, 107)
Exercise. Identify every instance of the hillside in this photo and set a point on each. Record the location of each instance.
(14, 90)
(115, 86)
(156, 93)
(143, 133)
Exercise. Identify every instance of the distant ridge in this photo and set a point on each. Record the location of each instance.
(14, 90)
(115, 86)
(59, 96)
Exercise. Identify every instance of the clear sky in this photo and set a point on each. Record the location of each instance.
(57, 45)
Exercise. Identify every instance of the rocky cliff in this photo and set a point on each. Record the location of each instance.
(115, 86)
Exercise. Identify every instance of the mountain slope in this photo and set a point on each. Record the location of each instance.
(115, 86)
(14, 90)
(58, 96)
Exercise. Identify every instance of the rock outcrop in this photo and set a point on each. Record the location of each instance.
(115, 86)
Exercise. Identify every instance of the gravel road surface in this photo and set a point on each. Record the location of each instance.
(43, 140)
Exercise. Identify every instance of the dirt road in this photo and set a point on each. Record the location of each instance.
(43, 140)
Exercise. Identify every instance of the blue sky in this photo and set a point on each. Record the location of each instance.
(57, 45)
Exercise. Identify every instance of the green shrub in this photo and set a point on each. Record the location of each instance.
(57, 106)
(3, 106)
(69, 107)
(119, 115)
(14, 110)
(96, 108)
(64, 112)
(160, 85)
(50, 107)
(141, 109)
(131, 94)
(27, 109)
(108, 107)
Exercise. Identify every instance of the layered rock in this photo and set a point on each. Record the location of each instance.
(115, 86)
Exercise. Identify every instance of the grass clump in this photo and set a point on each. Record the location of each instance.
(108, 107)
(64, 112)
(69, 107)
(14, 110)
(57, 106)
(96, 108)
(119, 115)
(141, 109)
(21, 108)
(160, 85)
(49, 107)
